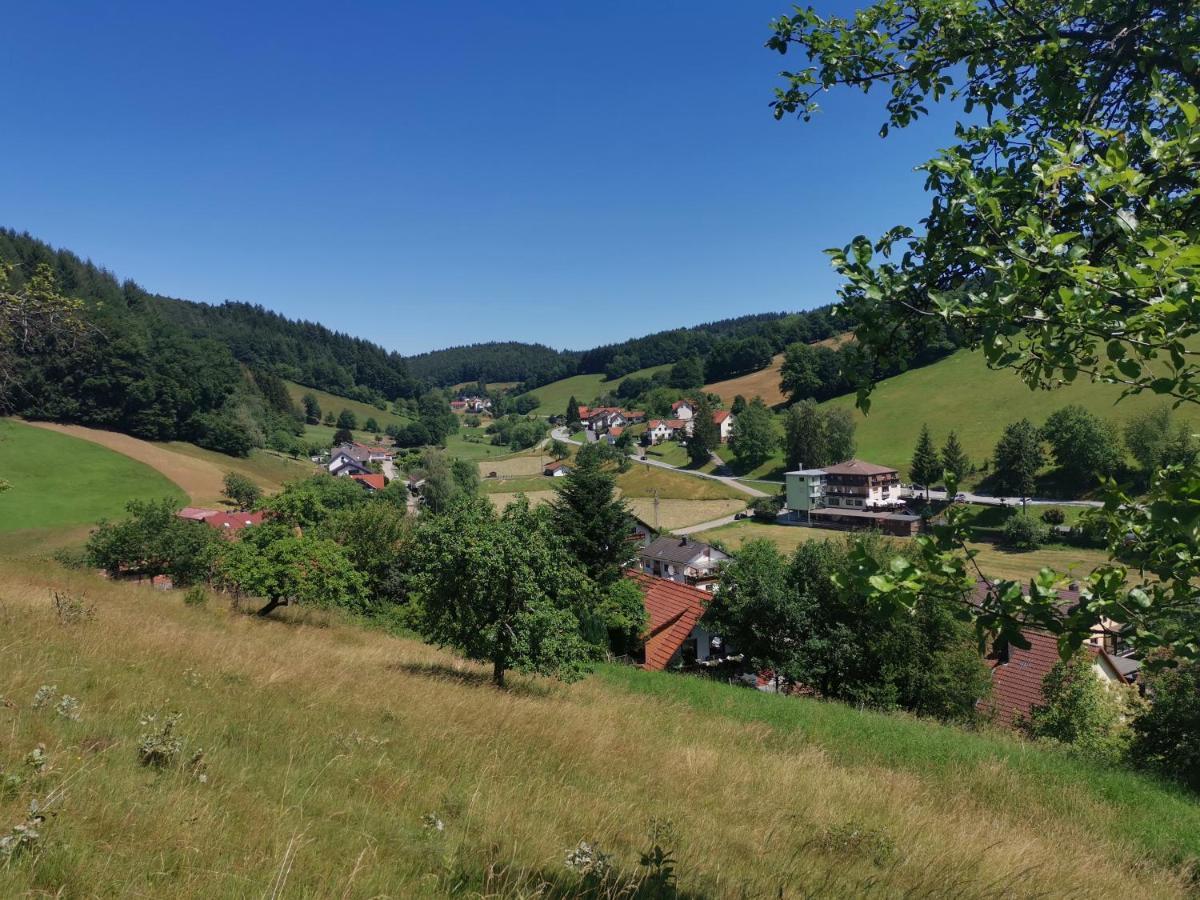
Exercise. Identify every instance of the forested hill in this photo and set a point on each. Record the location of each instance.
(725, 348)
(301, 351)
(166, 369)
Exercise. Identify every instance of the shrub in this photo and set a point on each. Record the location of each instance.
(766, 508)
(1023, 533)
(1167, 734)
(195, 596)
(1053, 516)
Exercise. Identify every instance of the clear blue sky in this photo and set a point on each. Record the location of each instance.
(427, 174)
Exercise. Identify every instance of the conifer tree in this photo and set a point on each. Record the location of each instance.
(705, 434)
(592, 520)
(926, 467)
(954, 458)
(572, 411)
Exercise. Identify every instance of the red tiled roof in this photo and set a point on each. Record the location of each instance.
(233, 522)
(374, 482)
(679, 403)
(654, 423)
(616, 431)
(635, 414)
(673, 609)
(720, 416)
(676, 423)
(1017, 684)
(858, 467)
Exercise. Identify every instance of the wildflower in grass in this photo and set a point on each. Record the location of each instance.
(432, 822)
(45, 695)
(589, 860)
(159, 747)
(37, 760)
(24, 836)
(68, 707)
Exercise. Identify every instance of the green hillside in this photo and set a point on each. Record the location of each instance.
(962, 393)
(309, 785)
(58, 481)
(335, 404)
(584, 388)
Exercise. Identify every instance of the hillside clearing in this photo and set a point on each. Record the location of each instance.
(59, 480)
(553, 397)
(198, 472)
(332, 403)
(313, 783)
(763, 383)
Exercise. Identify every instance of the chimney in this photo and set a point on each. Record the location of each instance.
(683, 541)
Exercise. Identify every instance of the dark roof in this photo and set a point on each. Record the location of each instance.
(673, 610)
(678, 550)
(862, 513)
(356, 452)
(858, 467)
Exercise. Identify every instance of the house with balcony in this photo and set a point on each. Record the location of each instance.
(852, 495)
(855, 484)
(684, 561)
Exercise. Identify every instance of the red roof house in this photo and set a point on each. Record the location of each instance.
(673, 610)
(233, 522)
(372, 482)
(1017, 675)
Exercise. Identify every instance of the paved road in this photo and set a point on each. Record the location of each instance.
(988, 500)
(563, 435)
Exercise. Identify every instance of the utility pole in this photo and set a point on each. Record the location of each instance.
(656, 528)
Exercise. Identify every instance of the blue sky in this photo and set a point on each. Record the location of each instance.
(428, 174)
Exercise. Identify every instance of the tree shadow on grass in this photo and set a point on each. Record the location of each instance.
(476, 678)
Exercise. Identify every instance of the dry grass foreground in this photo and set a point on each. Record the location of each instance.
(330, 755)
(200, 473)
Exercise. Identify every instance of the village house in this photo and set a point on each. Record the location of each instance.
(684, 561)
(724, 420)
(556, 469)
(225, 522)
(674, 637)
(1018, 675)
(657, 431)
(349, 459)
(683, 409)
(371, 483)
(853, 495)
(603, 418)
(374, 452)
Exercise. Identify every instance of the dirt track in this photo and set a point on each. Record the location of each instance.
(200, 479)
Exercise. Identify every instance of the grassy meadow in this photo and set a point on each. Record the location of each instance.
(59, 481)
(962, 393)
(319, 758)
